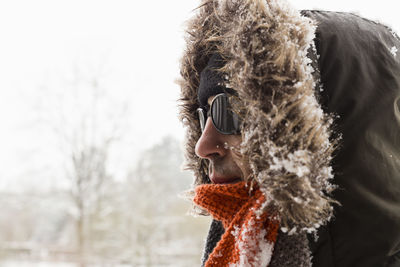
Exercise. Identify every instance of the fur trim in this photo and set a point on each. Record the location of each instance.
(285, 132)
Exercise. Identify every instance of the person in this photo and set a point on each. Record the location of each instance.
(293, 135)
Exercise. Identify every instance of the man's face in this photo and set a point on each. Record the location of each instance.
(226, 164)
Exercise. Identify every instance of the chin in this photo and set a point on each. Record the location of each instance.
(225, 180)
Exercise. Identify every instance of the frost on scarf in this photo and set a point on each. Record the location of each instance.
(250, 231)
(254, 249)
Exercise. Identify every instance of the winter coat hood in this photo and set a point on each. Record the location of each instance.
(359, 65)
(266, 47)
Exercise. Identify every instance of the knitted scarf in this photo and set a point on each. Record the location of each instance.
(250, 233)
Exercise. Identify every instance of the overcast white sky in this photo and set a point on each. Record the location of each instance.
(138, 42)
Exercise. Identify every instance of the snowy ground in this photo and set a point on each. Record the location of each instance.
(49, 264)
(60, 264)
(35, 264)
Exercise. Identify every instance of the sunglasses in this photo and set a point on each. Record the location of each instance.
(222, 116)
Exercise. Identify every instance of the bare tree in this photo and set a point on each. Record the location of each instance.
(87, 124)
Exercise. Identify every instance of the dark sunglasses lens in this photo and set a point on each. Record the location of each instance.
(202, 118)
(223, 118)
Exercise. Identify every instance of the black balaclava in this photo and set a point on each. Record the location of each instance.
(211, 80)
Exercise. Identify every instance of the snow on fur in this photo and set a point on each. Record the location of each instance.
(285, 134)
(393, 51)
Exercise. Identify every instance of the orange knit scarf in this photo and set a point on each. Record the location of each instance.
(250, 234)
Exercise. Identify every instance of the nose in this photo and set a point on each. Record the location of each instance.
(210, 143)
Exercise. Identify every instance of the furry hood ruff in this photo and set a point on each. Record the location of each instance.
(285, 134)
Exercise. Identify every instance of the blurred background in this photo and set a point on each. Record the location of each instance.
(90, 142)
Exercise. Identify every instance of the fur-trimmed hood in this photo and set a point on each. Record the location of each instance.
(285, 134)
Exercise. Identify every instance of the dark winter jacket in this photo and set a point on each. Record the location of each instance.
(295, 75)
(360, 74)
